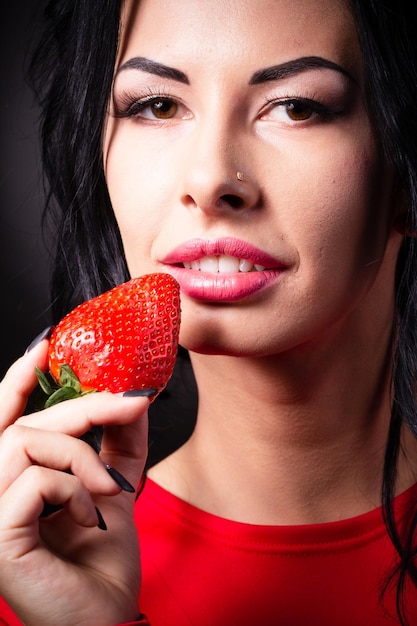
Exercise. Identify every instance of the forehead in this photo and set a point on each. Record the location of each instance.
(236, 31)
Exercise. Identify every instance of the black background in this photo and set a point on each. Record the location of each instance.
(24, 256)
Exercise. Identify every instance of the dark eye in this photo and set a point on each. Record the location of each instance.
(152, 108)
(295, 110)
(161, 109)
(298, 110)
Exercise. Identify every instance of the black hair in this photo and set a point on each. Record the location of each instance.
(75, 61)
(386, 30)
(72, 72)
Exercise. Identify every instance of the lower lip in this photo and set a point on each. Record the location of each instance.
(218, 287)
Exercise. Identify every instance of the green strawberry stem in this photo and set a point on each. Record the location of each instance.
(69, 387)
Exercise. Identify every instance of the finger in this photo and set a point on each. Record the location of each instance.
(19, 382)
(75, 417)
(23, 503)
(21, 447)
(126, 447)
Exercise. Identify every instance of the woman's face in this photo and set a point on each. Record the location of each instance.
(240, 158)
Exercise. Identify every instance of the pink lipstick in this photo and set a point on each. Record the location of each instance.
(222, 270)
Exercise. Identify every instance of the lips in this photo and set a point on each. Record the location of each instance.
(222, 270)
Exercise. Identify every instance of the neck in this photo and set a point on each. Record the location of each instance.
(286, 439)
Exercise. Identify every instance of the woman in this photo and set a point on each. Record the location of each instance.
(261, 152)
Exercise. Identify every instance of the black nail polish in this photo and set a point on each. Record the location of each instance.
(101, 523)
(45, 334)
(120, 480)
(134, 393)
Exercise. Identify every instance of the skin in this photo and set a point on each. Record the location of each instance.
(297, 445)
(95, 586)
(280, 437)
(309, 187)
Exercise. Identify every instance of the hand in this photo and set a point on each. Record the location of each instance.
(63, 569)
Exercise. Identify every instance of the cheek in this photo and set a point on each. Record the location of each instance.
(132, 226)
(136, 159)
(139, 177)
(127, 170)
(136, 192)
(348, 218)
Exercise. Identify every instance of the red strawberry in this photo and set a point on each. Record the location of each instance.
(124, 339)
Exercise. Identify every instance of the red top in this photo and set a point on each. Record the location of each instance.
(202, 570)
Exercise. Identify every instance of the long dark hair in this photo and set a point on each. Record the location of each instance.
(71, 72)
(75, 61)
(387, 35)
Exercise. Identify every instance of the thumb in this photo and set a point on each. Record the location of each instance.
(125, 447)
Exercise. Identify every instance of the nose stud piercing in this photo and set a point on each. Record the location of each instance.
(240, 175)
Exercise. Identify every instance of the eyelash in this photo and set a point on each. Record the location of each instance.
(130, 106)
(316, 107)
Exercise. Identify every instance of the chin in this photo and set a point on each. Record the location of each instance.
(227, 347)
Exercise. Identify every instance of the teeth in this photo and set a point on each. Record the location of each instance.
(228, 264)
(245, 266)
(223, 265)
(209, 264)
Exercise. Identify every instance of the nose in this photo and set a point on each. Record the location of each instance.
(217, 177)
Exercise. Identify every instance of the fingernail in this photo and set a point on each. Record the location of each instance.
(119, 479)
(101, 523)
(134, 393)
(45, 334)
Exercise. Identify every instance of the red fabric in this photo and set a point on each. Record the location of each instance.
(201, 570)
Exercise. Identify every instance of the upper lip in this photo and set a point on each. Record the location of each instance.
(197, 248)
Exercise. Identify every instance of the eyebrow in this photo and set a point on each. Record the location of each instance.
(153, 67)
(296, 66)
(276, 72)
